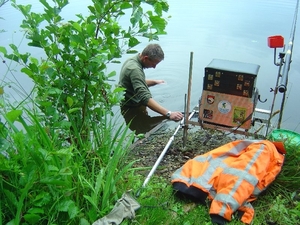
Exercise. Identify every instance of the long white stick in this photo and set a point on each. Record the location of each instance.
(162, 154)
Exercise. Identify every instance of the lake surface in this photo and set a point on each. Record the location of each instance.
(215, 29)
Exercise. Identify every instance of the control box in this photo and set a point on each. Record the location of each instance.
(229, 95)
(230, 77)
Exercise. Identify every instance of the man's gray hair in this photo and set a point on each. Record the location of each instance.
(154, 52)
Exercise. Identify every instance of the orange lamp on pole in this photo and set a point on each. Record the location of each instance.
(276, 41)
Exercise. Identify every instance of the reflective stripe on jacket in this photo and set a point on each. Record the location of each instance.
(233, 175)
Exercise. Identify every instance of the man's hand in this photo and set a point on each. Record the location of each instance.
(176, 116)
(159, 81)
(152, 104)
(154, 82)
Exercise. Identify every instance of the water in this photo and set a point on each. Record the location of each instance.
(234, 30)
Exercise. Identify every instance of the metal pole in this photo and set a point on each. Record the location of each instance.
(275, 93)
(281, 110)
(162, 154)
(288, 59)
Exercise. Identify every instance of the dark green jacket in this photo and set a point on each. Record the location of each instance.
(132, 77)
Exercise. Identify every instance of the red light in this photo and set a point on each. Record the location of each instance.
(276, 41)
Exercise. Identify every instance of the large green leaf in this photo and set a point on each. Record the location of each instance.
(133, 42)
(158, 9)
(12, 57)
(66, 171)
(136, 16)
(41, 199)
(77, 27)
(32, 218)
(14, 115)
(28, 72)
(64, 205)
(158, 23)
(125, 5)
(91, 28)
(70, 101)
(10, 196)
(45, 3)
(34, 43)
(3, 50)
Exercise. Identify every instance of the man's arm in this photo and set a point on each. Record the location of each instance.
(154, 82)
(152, 104)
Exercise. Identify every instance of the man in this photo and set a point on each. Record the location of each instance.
(137, 94)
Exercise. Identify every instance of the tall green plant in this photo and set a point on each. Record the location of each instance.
(43, 181)
(72, 83)
(45, 176)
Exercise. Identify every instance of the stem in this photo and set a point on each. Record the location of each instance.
(2, 2)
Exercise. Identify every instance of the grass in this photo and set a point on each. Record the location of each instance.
(45, 180)
(279, 204)
(159, 205)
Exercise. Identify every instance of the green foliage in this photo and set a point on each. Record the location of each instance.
(159, 205)
(289, 178)
(72, 85)
(66, 163)
(62, 159)
(276, 207)
(45, 180)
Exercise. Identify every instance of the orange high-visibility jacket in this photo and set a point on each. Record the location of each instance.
(232, 176)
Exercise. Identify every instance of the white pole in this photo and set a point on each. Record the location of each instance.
(164, 152)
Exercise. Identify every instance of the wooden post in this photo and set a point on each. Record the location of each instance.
(187, 103)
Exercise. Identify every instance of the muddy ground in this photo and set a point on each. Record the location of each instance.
(198, 141)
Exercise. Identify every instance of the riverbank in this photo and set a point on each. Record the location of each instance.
(281, 194)
(199, 141)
